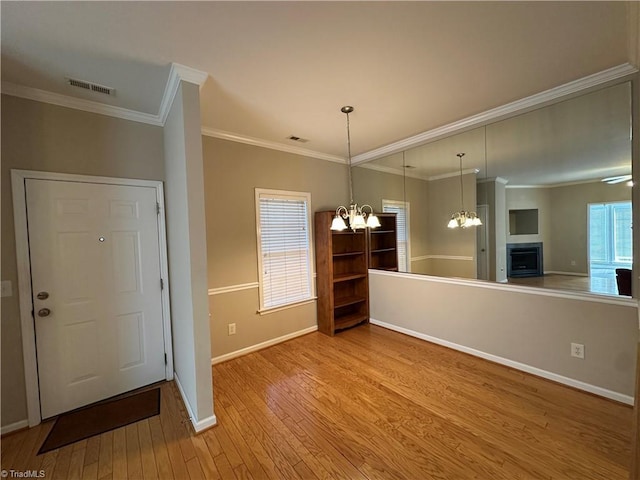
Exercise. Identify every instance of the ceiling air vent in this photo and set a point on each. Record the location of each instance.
(297, 139)
(93, 87)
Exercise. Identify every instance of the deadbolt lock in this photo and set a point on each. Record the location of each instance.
(43, 295)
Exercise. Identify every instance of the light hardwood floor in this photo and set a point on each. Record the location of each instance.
(572, 283)
(366, 404)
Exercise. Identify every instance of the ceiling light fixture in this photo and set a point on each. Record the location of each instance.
(463, 219)
(357, 216)
(618, 179)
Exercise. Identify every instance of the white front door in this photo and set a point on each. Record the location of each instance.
(95, 267)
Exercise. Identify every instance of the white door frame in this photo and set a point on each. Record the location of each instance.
(18, 178)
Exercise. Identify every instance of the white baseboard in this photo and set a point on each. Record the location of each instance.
(203, 425)
(14, 426)
(198, 425)
(260, 346)
(603, 392)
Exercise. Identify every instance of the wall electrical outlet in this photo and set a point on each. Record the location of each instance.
(577, 350)
(232, 329)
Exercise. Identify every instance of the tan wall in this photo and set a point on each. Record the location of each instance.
(443, 200)
(371, 186)
(569, 228)
(418, 197)
(455, 268)
(421, 266)
(232, 171)
(38, 136)
(531, 329)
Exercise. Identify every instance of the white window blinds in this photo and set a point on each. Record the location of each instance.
(610, 234)
(284, 247)
(401, 209)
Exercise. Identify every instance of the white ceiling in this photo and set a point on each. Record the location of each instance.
(282, 68)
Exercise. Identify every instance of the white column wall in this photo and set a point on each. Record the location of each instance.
(187, 251)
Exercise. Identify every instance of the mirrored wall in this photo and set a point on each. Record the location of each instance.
(535, 181)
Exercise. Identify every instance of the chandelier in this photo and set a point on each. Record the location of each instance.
(358, 216)
(463, 219)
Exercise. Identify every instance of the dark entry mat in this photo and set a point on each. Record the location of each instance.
(99, 418)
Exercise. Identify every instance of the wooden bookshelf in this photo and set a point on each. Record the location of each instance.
(383, 244)
(342, 280)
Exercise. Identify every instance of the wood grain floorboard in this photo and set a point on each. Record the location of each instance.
(366, 404)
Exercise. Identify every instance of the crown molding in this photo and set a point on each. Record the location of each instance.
(489, 116)
(555, 185)
(188, 74)
(60, 100)
(469, 171)
(177, 74)
(393, 171)
(409, 174)
(258, 142)
(501, 180)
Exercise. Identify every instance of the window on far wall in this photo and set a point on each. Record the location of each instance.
(284, 247)
(401, 209)
(610, 235)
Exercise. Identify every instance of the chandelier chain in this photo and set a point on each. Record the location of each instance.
(460, 155)
(357, 215)
(349, 160)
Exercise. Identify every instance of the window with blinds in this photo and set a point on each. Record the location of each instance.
(610, 234)
(401, 209)
(284, 247)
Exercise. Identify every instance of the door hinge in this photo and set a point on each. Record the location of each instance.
(161, 284)
(158, 208)
(165, 358)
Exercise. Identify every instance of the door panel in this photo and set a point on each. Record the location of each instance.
(126, 262)
(94, 250)
(131, 340)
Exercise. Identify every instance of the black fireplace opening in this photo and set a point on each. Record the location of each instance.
(524, 260)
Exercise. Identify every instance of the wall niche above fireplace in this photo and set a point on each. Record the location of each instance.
(524, 259)
(523, 222)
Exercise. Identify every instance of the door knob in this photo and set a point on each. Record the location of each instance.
(42, 295)
(44, 312)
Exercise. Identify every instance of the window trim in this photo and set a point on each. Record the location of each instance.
(284, 194)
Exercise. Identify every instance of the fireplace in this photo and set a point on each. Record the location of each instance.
(524, 259)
